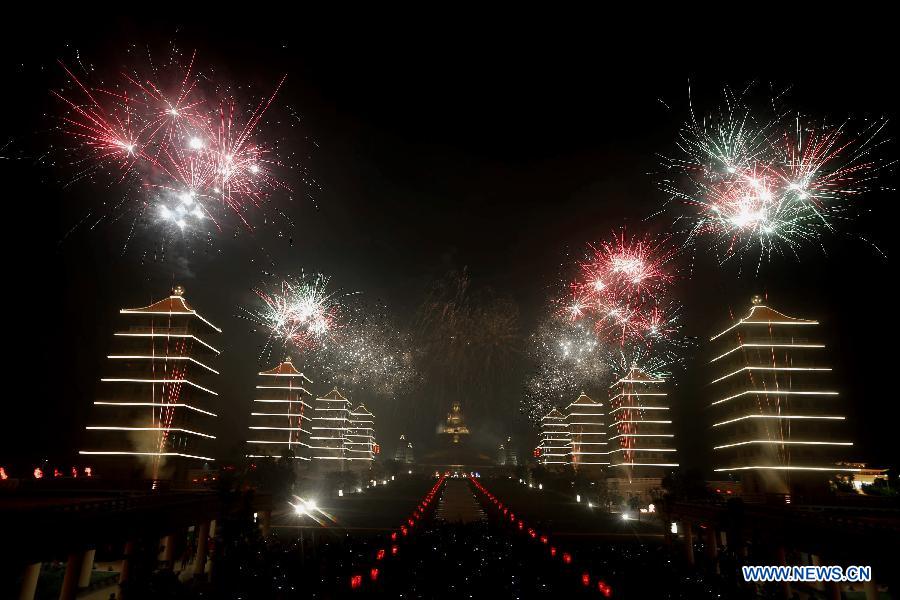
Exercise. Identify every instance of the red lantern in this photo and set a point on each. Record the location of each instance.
(355, 582)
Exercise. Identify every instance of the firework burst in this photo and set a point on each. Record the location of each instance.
(618, 314)
(188, 151)
(766, 186)
(368, 353)
(299, 313)
(621, 288)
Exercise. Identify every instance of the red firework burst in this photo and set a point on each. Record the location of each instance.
(192, 144)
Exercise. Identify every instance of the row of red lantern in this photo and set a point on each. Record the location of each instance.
(38, 473)
(356, 580)
(520, 525)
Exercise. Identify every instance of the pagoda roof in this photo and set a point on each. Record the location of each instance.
(361, 410)
(638, 375)
(584, 399)
(554, 414)
(333, 395)
(761, 314)
(285, 369)
(173, 305)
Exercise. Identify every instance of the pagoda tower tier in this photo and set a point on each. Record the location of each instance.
(156, 409)
(586, 420)
(331, 422)
(555, 447)
(639, 411)
(280, 415)
(361, 436)
(777, 421)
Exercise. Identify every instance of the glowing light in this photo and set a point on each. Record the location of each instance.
(190, 134)
(757, 187)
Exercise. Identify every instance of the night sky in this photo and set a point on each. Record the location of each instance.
(501, 152)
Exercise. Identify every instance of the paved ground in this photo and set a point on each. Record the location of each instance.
(458, 503)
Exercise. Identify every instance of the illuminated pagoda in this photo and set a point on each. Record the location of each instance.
(776, 420)
(361, 436)
(329, 428)
(404, 453)
(555, 447)
(643, 450)
(156, 408)
(587, 430)
(280, 418)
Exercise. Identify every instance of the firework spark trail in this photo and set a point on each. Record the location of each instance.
(299, 313)
(185, 146)
(622, 287)
(341, 342)
(766, 186)
(618, 314)
(370, 352)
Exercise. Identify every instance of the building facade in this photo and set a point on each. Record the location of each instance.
(329, 428)
(586, 421)
(777, 421)
(555, 447)
(280, 418)
(156, 410)
(642, 445)
(360, 450)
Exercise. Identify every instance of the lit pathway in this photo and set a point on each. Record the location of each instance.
(458, 503)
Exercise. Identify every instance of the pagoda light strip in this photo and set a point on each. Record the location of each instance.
(770, 369)
(163, 357)
(642, 435)
(112, 452)
(266, 456)
(777, 468)
(300, 375)
(638, 381)
(638, 407)
(767, 323)
(285, 402)
(299, 415)
(637, 421)
(834, 418)
(170, 313)
(774, 393)
(619, 395)
(125, 380)
(772, 345)
(783, 443)
(174, 335)
(121, 428)
(283, 387)
(188, 406)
